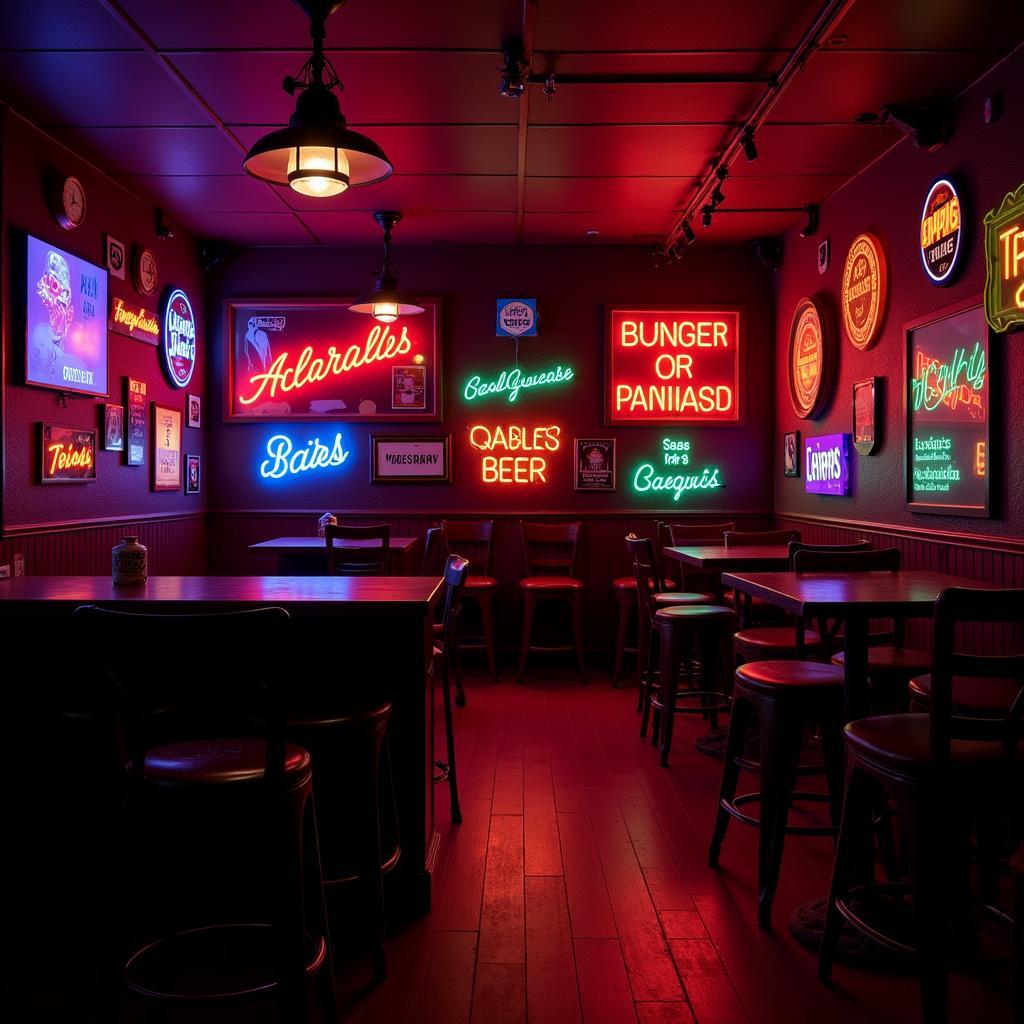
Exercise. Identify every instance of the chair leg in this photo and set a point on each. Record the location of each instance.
(316, 909)
(486, 604)
(456, 660)
(625, 601)
(524, 647)
(669, 686)
(577, 633)
(647, 681)
(832, 755)
(739, 723)
(449, 735)
(643, 646)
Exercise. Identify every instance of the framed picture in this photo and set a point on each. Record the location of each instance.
(791, 453)
(115, 256)
(595, 464)
(166, 448)
(410, 458)
(113, 428)
(67, 455)
(313, 359)
(195, 411)
(950, 405)
(193, 466)
(865, 415)
(135, 398)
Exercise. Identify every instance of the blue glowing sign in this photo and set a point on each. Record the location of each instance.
(285, 458)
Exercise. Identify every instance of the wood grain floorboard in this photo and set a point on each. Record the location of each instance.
(604, 987)
(502, 917)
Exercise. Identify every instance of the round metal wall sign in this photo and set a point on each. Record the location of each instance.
(179, 341)
(864, 291)
(941, 232)
(811, 357)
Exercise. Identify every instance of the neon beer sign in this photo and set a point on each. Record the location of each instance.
(515, 454)
(675, 473)
(285, 458)
(827, 464)
(667, 366)
(510, 382)
(1004, 263)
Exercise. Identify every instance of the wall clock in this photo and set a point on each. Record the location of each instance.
(145, 275)
(68, 202)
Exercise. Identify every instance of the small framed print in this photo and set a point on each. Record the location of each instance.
(193, 467)
(865, 415)
(409, 387)
(166, 448)
(411, 458)
(135, 391)
(195, 411)
(595, 464)
(115, 256)
(113, 428)
(791, 453)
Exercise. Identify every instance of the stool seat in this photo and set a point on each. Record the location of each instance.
(550, 583)
(778, 675)
(978, 695)
(775, 638)
(677, 597)
(369, 711)
(887, 660)
(481, 583)
(629, 583)
(695, 614)
(218, 761)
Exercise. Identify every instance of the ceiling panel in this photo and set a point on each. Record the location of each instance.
(161, 150)
(415, 229)
(820, 149)
(794, 190)
(228, 193)
(245, 88)
(419, 192)
(248, 228)
(933, 24)
(61, 25)
(581, 195)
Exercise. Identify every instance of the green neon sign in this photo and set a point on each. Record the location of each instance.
(511, 382)
(675, 474)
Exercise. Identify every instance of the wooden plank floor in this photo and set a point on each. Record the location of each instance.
(577, 889)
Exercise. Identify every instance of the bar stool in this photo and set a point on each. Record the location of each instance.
(942, 770)
(549, 550)
(472, 540)
(215, 754)
(363, 559)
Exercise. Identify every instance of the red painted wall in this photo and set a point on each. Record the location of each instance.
(988, 161)
(121, 494)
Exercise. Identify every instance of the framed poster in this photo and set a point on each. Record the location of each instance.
(670, 365)
(297, 359)
(791, 453)
(812, 356)
(166, 448)
(193, 465)
(410, 458)
(950, 405)
(135, 398)
(865, 415)
(595, 464)
(67, 455)
(65, 321)
(115, 255)
(113, 428)
(827, 464)
(195, 411)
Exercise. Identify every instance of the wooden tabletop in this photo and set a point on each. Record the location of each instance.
(298, 545)
(382, 593)
(907, 592)
(718, 557)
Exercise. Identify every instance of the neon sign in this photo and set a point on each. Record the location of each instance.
(511, 382)
(68, 455)
(940, 231)
(179, 338)
(133, 320)
(285, 459)
(827, 464)
(811, 357)
(864, 291)
(672, 366)
(667, 478)
(515, 468)
(960, 382)
(1004, 263)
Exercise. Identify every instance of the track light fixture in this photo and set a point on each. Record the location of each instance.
(317, 154)
(811, 227)
(384, 302)
(717, 198)
(688, 233)
(706, 216)
(514, 74)
(748, 144)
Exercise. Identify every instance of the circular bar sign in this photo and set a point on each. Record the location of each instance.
(811, 357)
(864, 288)
(940, 232)
(179, 342)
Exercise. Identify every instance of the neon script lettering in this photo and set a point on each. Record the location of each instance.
(283, 459)
(67, 456)
(135, 318)
(380, 345)
(511, 382)
(515, 469)
(960, 381)
(647, 478)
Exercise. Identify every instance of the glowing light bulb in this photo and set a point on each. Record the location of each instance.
(305, 161)
(385, 312)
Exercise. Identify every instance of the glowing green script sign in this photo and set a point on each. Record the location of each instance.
(511, 382)
(675, 474)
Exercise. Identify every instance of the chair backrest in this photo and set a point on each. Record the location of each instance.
(240, 689)
(796, 545)
(756, 538)
(433, 546)
(455, 572)
(364, 558)
(470, 538)
(646, 570)
(880, 560)
(682, 534)
(962, 605)
(550, 548)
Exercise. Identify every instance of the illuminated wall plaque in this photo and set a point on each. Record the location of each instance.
(515, 454)
(286, 457)
(674, 472)
(67, 455)
(864, 291)
(948, 399)
(668, 366)
(511, 382)
(811, 357)
(179, 342)
(133, 320)
(291, 360)
(827, 464)
(516, 318)
(941, 231)
(1004, 263)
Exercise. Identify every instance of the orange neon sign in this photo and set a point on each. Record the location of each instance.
(510, 468)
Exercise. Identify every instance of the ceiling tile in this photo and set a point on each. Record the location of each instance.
(934, 25)
(582, 195)
(615, 226)
(335, 228)
(248, 228)
(761, 190)
(228, 193)
(419, 192)
(162, 150)
(61, 25)
(820, 149)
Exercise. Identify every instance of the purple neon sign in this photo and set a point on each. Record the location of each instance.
(827, 464)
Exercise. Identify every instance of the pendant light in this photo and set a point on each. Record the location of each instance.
(317, 154)
(384, 302)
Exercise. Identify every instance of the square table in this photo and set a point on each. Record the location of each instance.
(307, 556)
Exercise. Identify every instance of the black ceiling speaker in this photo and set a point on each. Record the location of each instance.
(927, 124)
(767, 251)
(213, 254)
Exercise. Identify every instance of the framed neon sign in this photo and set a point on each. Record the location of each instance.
(949, 411)
(179, 340)
(827, 464)
(314, 360)
(515, 454)
(668, 366)
(941, 232)
(285, 457)
(1004, 263)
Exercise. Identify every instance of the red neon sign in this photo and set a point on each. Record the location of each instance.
(511, 468)
(667, 366)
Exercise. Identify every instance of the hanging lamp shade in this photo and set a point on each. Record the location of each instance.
(384, 302)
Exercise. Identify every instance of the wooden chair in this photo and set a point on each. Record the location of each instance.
(366, 560)
(942, 770)
(756, 609)
(432, 562)
(209, 746)
(680, 535)
(472, 540)
(549, 550)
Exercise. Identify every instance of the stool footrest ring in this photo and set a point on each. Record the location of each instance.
(733, 808)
